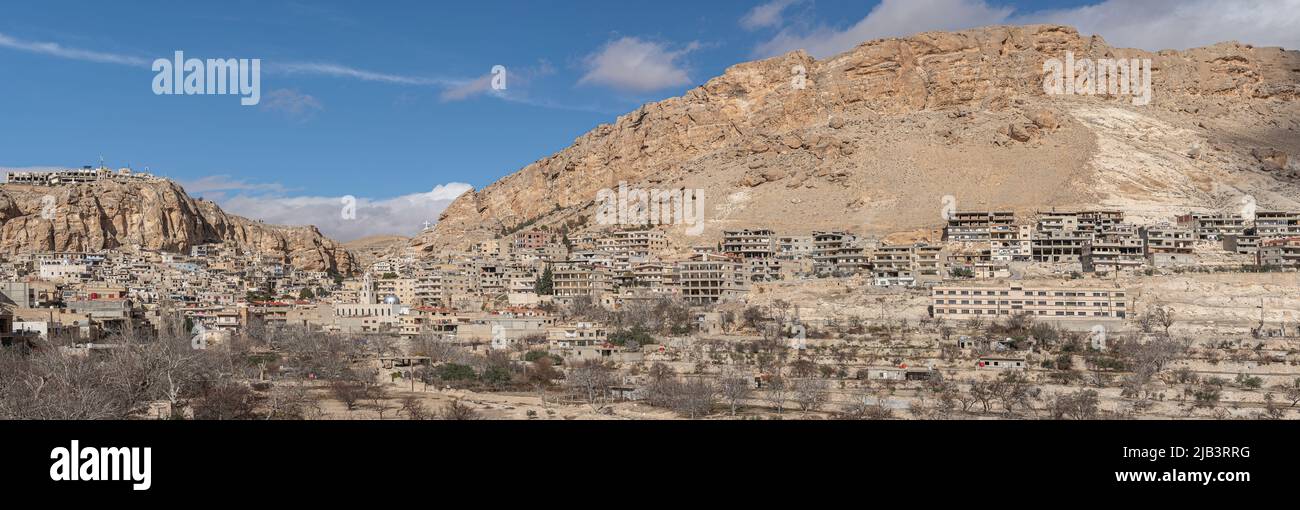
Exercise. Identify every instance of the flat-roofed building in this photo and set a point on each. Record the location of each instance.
(750, 243)
(1166, 239)
(1277, 223)
(1283, 252)
(1058, 245)
(1039, 301)
(976, 226)
(571, 280)
(708, 278)
(1212, 227)
(906, 265)
(794, 247)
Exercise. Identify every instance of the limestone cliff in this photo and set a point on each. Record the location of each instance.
(149, 214)
(876, 136)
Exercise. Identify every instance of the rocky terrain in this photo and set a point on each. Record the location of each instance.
(878, 135)
(155, 215)
(369, 249)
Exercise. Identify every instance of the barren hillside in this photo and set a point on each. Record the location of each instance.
(881, 133)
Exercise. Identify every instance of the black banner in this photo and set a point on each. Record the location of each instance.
(321, 460)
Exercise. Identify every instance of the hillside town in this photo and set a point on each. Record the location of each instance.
(622, 317)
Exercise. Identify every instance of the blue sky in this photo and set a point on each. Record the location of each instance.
(386, 101)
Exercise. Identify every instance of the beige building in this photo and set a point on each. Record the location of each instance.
(708, 278)
(1040, 301)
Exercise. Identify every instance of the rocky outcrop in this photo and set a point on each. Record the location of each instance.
(890, 123)
(153, 215)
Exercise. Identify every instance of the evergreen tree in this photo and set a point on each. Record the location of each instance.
(545, 285)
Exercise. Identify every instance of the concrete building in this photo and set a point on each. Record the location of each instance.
(708, 278)
(1283, 252)
(1212, 227)
(750, 243)
(1040, 301)
(976, 226)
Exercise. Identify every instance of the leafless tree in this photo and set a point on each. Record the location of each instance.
(1080, 405)
(695, 398)
(810, 394)
(776, 392)
(734, 387)
(457, 410)
(414, 409)
(291, 402)
(590, 381)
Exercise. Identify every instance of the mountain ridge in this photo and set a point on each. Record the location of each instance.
(881, 132)
(155, 214)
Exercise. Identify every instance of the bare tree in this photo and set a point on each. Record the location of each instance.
(777, 392)
(590, 381)
(695, 398)
(457, 410)
(1080, 405)
(734, 387)
(810, 394)
(414, 409)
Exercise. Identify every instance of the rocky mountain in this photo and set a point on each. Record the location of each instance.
(152, 214)
(872, 140)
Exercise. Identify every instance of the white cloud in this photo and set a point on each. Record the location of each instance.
(469, 89)
(342, 71)
(766, 15)
(1146, 24)
(1180, 24)
(57, 50)
(291, 103)
(226, 183)
(403, 215)
(891, 18)
(634, 65)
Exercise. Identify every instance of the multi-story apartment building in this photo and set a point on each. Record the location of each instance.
(1284, 252)
(572, 280)
(708, 278)
(532, 239)
(1058, 245)
(794, 247)
(750, 243)
(1277, 223)
(907, 265)
(1113, 253)
(1040, 301)
(1079, 221)
(633, 243)
(1011, 242)
(1166, 239)
(976, 226)
(1212, 227)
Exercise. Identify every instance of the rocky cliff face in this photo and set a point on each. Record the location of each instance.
(155, 215)
(876, 137)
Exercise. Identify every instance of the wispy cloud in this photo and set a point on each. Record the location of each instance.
(636, 65)
(225, 182)
(891, 18)
(766, 15)
(58, 50)
(403, 215)
(342, 71)
(292, 103)
(1146, 24)
(1180, 24)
